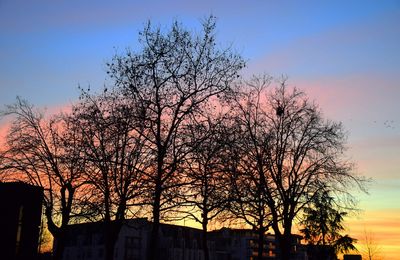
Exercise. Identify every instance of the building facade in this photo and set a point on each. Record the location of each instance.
(20, 218)
(242, 244)
(86, 242)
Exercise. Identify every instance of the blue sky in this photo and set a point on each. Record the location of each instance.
(69, 43)
(344, 54)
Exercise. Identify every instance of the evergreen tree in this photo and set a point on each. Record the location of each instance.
(323, 224)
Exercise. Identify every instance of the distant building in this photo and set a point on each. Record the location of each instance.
(86, 242)
(352, 257)
(318, 252)
(242, 244)
(21, 210)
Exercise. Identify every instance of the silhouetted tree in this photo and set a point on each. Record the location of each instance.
(305, 155)
(369, 248)
(248, 148)
(295, 154)
(170, 79)
(206, 194)
(323, 224)
(116, 158)
(46, 153)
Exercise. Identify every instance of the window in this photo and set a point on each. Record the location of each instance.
(132, 248)
(87, 240)
(271, 253)
(101, 252)
(133, 242)
(19, 230)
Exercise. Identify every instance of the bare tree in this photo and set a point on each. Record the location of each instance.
(306, 155)
(45, 152)
(116, 158)
(246, 162)
(370, 248)
(298, 154)
(206, 194)
(170, 80)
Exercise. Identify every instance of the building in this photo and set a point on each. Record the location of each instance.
(352, 257)
(242, 244)
(86, 242)
(20, 218)
(317, 252)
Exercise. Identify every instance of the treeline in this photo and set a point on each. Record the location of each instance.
(180, 134)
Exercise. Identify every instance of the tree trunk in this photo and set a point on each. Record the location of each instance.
(57, 233)
(58, 246)
(260, 243)
(112, 230)
(152, 248)
(285, 245)
(205, 240)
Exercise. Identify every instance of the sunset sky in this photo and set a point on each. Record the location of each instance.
(344, 54)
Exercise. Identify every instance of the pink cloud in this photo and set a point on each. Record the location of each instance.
(4, 126)
(5, 123)
(365, 96)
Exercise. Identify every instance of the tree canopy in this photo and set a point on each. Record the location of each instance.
(178, 129)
